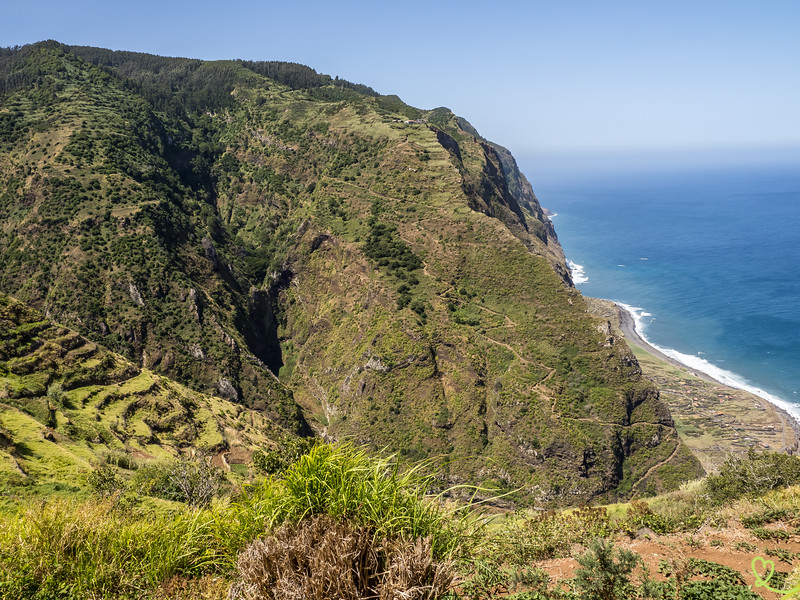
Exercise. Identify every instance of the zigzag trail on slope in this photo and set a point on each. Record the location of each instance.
(657, 465)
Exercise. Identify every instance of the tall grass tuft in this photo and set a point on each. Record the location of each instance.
(108, 549)
(343, 482)
(322, 558)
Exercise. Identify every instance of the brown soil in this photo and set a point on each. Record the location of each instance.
(726, 546)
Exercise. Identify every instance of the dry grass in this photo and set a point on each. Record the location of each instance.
(207, 587)
(323, 559)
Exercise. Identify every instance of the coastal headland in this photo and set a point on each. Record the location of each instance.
(713, 419)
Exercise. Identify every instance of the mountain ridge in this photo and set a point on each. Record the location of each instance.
(340, 260)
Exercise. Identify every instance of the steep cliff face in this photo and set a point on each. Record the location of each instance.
(520, 189)
(337, 259)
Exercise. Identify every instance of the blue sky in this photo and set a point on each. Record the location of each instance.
(546, 79)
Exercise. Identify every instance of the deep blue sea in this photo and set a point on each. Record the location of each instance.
(708, 259)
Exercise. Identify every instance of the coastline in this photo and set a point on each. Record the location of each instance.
(713, 418)
(628, 328)
(627, 325)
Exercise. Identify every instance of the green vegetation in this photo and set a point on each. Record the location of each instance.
(112, 550)
(240, 255)
(605, 572)
(325, 259)
(74, 414)
(753, 475)
(276, 460)
(338, 513)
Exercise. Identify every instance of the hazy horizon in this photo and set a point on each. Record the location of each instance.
(591, 163)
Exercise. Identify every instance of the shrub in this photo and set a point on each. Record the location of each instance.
(640, 515)
(152, 479)
(275, 462)
(105, 480)
(197, 480)
(605, 574)
(322, 558)
(549, 534)
(192, 480)
(752, 475)
(57, 398)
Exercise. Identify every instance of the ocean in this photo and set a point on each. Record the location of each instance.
(707, 260)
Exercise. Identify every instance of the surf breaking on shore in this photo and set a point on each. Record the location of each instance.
(701, 365)
(577, 272)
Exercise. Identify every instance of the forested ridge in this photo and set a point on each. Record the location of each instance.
(340, 262)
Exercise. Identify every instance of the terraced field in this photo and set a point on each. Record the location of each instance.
(67, 404)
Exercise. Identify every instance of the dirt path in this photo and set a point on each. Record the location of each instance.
(509, 321)
(509, 348)
(733, 546)
(657, 465)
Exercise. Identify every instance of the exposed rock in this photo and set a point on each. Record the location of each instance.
(227, 390)
(604, 328)
(194, 304)
(135, 295)
(210, 250)
(645, 533)
(448, 143)
(152, 360)
(375, 364)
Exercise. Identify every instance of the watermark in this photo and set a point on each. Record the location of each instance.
(768, 568)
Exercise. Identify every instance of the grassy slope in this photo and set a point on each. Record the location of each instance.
(382, 269)
(66, 404)
(110, 550)
(505, 363)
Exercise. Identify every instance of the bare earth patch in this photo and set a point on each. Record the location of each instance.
(733, 546)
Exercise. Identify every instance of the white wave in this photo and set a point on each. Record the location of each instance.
(702, 365)
(637, 313)
(578, 273)
(551, 215)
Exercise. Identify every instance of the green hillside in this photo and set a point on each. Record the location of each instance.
(337, 261)
(68, 406)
